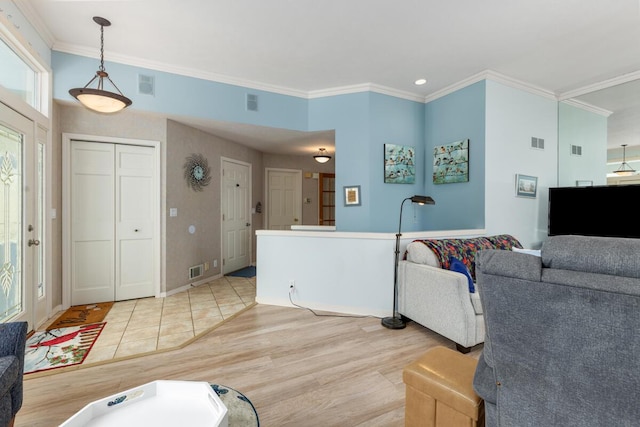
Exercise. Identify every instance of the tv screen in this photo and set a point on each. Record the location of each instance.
(605, 210)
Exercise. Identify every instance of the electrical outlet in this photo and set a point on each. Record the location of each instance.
(206, 266)
(215, 263)
(292, 284)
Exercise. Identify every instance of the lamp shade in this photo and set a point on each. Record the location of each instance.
(101, 101)
(322, 156)
(98, 99)
(423, 200)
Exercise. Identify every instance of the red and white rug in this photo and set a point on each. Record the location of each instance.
(61, 347)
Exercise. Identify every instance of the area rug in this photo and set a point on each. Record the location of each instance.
(61, 347)
(82, 315)
(245, 272)
(240, 410)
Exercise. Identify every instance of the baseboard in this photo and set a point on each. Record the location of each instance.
(189, 286)
(352, 311)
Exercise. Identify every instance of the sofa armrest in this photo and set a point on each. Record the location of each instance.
(439, 300)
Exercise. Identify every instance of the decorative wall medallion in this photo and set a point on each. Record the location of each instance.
(197, 172)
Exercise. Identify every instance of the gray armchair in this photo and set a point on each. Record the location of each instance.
(13, 336)
(563, 334)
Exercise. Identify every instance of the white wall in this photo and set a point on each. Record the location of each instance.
(341, 272)
(513, 116)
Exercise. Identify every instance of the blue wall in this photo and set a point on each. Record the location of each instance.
(363, 123)
(454, 117)
(180, 95)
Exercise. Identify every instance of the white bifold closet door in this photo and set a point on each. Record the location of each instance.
(112, 222)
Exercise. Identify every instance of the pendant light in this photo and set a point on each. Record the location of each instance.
(322, 156)
(98, 99)
(624, 169)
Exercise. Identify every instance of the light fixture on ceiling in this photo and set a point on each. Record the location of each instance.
(322, 156)
(98, 99)
(420, 82)
(624, 169)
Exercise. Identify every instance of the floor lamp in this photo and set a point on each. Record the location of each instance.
(396, 321)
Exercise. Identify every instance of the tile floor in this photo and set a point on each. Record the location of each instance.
(140, 326)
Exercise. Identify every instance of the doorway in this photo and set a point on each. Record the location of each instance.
(236, 224)
(327, 197)
(111, 228)
(22, 187)
(284, 200)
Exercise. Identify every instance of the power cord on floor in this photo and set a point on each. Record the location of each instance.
(325, 315)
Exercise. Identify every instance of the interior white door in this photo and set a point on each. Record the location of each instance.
(236, 224)
(134, 226)
(113, 205)
(92, 213)
(285, 200)
(18, 205)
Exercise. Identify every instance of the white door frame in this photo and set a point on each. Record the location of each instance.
(249, 196)
(266, 192)
(66, 204)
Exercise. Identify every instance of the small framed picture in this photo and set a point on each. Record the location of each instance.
(526, 186)
(352, 195)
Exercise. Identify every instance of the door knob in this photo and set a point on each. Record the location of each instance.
(248, 224)
(295, 219)
(34, 242)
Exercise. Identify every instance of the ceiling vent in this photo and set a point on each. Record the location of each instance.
(252, 102)
(146, 85)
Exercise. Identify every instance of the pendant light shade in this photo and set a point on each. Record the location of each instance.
(624, 169)
(322, 156)
(98, 99)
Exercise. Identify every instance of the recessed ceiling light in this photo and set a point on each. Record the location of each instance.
(420, 82)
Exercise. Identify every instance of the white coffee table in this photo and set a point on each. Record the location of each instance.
(158, 404)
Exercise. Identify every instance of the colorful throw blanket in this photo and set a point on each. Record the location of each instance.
(466, 249)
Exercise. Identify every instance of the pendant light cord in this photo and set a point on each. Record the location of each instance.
(101, 47)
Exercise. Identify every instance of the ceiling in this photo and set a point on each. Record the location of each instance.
(307, 47)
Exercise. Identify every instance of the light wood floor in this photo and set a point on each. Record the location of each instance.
(298, 370)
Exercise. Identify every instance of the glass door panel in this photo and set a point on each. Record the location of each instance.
(11, 300)
(18, 193)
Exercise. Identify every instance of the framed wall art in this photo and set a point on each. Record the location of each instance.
(352, 195)
(451, 163)
(399, 164)
(526, 186)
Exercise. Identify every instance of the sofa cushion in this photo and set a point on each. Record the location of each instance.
(419, 253)
(458, 266)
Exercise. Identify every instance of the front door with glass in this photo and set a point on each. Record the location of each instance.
(20, 218)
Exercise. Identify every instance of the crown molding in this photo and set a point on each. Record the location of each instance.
(220, 78)
(587, 107)
(174, 69)
(34, 19)
(365, 87)
(496, 77)
(625, 78)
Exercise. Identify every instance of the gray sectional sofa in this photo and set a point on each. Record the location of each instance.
(562, 345)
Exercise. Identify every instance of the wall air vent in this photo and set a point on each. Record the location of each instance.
(252, 102)
(576, 150)
(195, 271)
(146, 85)
(537, 143)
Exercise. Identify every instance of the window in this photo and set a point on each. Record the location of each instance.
(18, 77)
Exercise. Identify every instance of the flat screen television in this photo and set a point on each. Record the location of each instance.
(606, 210)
